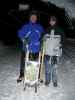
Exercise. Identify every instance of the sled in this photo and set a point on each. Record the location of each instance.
(31, 71)
(52, 46)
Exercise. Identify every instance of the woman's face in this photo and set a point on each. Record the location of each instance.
(33, 18)
(52, 22)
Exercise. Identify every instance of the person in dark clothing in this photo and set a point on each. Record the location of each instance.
(31, 34)
(51, 61)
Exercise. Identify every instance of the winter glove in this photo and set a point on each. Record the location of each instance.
(25, 41)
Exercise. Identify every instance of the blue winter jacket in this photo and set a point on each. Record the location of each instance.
(33, 32)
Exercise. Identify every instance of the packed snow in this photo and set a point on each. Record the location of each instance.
(9, 71)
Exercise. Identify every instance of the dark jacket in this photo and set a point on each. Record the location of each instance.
(58, 31)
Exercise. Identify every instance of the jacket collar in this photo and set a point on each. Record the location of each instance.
(32, 23)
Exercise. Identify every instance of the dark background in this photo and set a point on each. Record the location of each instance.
(11, 19)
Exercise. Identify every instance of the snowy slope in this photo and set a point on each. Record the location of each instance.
(9, 71)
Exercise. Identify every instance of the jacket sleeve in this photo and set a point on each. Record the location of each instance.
(42, 34)
(62, 37)
(23, 32)
(41, 29)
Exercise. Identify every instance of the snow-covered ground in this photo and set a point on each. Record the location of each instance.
(9, 71)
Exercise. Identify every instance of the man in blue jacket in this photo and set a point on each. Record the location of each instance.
(30, 33)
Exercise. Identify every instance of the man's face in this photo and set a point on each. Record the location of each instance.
(52, 22)
(33, 18)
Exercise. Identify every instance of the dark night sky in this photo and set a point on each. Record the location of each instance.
(11, 22)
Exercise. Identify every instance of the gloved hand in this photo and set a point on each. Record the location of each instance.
(25, 41)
